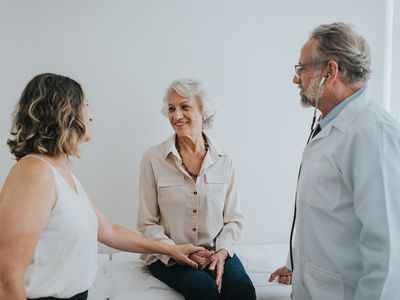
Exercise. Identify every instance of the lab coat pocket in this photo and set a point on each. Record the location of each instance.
(170, 189)
(322, 284)
(323, 186)
(216, 187)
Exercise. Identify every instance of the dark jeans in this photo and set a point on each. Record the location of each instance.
(200, 285)
(81, 296)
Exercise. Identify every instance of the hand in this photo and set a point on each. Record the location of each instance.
(202, 258)
(284, 276)
(181, 253)
(216, 266)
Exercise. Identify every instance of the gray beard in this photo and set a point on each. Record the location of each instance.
(309, 95)
(306, 102)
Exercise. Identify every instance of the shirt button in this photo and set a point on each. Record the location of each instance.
(195, 210)
(195, 192)
(194, 229)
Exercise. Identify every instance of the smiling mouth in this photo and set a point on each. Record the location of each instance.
(180, 123)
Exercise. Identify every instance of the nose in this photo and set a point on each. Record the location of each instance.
(178, 114)
(296, 80)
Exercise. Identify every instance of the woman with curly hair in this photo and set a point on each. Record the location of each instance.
(48, 227)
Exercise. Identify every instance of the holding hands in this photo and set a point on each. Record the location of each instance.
(182, 254)
(215, 262)
(202, 258)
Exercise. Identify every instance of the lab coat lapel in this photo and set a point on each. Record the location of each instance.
(346, 116)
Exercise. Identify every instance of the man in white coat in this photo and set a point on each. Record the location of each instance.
(347, 234)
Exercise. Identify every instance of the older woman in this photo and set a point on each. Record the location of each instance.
(48, 227)
(187, 194)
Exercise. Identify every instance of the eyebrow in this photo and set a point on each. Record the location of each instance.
(184, 102)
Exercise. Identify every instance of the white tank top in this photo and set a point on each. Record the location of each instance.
(65, 258)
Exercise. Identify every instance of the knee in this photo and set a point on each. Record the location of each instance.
(202, 287)
(242, 290)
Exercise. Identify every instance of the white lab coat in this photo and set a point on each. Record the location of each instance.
(347, 243)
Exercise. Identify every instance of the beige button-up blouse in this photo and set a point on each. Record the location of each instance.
(174, 209)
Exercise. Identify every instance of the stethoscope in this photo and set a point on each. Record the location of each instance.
(314, 125)
(315, 122)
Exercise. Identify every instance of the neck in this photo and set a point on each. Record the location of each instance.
(60, 160)
(192, 144)
(339, 95)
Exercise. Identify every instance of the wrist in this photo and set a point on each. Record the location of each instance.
(167, 249)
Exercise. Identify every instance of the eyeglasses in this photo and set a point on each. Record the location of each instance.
(298, 68)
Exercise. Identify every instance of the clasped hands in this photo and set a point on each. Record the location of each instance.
(213, 261)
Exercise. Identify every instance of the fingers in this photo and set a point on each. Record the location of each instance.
(218, 276)
(285, 279)
(213, 263)
(218, 283)
(201, 261)
(205, 253)
(283, 274)
(288, 279)
(189, 262)
(190, 249)
(197, 249)
(273, 276)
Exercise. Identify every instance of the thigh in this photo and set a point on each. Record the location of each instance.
(236, 284)
(191, 283)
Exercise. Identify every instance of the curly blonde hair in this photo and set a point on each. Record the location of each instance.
(48, 118)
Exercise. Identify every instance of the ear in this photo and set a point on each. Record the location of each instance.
(331, 71)
(203, 115)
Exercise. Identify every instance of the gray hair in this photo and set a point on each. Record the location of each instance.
(188, 87)
(337, 41)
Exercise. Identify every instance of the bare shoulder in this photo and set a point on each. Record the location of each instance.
(26, 203)
(28, 176)
(32, 166)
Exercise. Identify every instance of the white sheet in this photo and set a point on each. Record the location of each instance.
(123, 277)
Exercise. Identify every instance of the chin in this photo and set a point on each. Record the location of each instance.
(180, 131)
(306, 102)
(86, 138)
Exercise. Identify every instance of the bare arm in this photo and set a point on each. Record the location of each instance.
(26, 201)
(121, 238)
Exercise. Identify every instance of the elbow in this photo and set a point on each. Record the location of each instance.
(105, 235)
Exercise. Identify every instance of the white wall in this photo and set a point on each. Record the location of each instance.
(126, 52)
(393, 77)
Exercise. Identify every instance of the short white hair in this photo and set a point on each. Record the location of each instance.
(188, 87)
